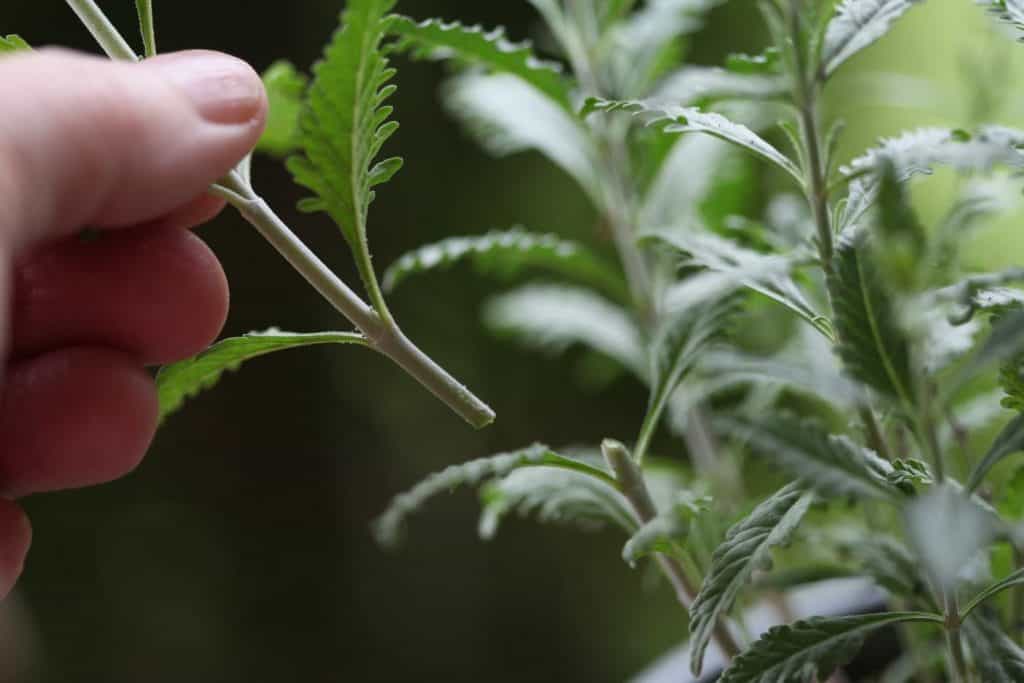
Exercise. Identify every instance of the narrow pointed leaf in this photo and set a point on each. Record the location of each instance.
(873, 347)
(747, 547)
(389, 527)
(1012, 581)
(997, 658)
(833, 465)
(1009, 442)
(674, 119)
(509, 253)
(344, 125)
(856, 25)
(810, 649)
(436, 39)
(180, 381)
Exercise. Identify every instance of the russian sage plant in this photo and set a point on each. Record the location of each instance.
(849, 444)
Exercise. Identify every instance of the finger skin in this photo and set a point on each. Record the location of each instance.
(119, 144)
(160, 295)
(73, 418)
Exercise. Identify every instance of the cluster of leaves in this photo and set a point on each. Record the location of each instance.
(867, 405)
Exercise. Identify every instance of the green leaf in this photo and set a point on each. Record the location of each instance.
(508, 116)
(666, 531)
(344, 126)
(554, 317)
(389, 527)
(917, 152)
(553, 496)
(677, 346)
(1013, 580)
(856, 25)
(508, 253)
(286, 88)
(180, 381)
(747, 547)
(873, 347)
(891, 564)
(766, 274)
(13, 43)
(1009, 441)
(833, 465)
(1004, 345)
(997, 658)
(145, 11)
(685, 179)
(436, 39)
(813, 648)
(673, 119)
(1009, 11)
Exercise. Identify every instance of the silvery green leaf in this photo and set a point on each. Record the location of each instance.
(705, 84)
(858, 24)
(666, 531)
(556, 317)
(997, 657)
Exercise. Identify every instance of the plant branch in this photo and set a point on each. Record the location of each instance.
(383, 336)
(954, 642)
(105, 33)
(146, 26)
(630, 481)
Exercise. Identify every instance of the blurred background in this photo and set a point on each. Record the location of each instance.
(240, 550)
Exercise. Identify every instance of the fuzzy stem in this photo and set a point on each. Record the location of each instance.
(383, 335)
(954, 643)
(631, 484)
(105, 33)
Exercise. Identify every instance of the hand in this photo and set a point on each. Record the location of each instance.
(128, 149)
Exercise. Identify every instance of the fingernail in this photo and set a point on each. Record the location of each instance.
(222, 89)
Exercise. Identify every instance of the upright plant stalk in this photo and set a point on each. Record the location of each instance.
(380, 330)
(630, 482)
(954, 642)
(145, 8)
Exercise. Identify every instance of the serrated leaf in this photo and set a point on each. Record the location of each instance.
(182, 380)
(891, 564)
(285, 87)
(747, 547)
(555, 317)
(872, 345)
(553, 496)
(13, 43)
(345, 123)
(389, 526)
(508, 116)
(833, 465)
(436, 39)
(997, 658)
(675, 119)
(812, 648)
(666, 531)
(509, 253)
(766, 274)
(917, 152)
(1009, 442)
(856, 25)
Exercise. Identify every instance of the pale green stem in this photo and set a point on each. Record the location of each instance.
(383, 335)
(105, 33)
(954, 643)
(147, 26)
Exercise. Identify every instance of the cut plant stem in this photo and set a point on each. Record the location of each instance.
(383, 335)
(105, 33)
(630, 481)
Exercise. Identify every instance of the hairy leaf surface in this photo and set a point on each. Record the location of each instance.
(812, 648)
(180, 381)
(388, 528)
(997, 657)
(674, 119)
(834, 465)
(856, 25)
(747, 547)
(873, 347)
(666, 531)
(345, 123)
(556, 317)
(436, 39)
(508, 253)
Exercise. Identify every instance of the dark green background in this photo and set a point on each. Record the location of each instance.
(240, 550)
